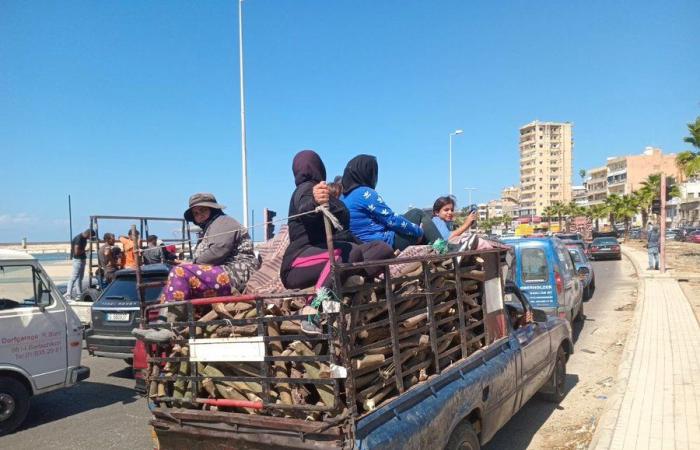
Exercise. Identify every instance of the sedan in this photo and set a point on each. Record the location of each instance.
(605, 247)
(693, 237)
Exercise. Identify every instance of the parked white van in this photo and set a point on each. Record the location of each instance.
(40, 338)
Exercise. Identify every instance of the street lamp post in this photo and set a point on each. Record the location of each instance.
(469, 190)
(244, 156)
(456, 132)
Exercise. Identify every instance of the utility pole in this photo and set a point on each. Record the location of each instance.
(70, 220)
(469, 190)
(244, 155)
(662, 226)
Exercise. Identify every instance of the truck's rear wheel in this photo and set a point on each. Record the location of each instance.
(557, 382)
(14, 404)
(463, 438)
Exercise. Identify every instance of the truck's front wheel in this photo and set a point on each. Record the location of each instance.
(14, 404)
(463, 438)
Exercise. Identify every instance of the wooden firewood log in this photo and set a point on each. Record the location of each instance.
(314, 370)
(279, 367)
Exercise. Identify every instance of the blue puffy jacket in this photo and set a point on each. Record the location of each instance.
(372, 220)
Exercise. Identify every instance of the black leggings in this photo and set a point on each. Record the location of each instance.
(425, 221)
(312, 267)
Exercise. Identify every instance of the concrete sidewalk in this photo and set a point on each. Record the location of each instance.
(657, 402)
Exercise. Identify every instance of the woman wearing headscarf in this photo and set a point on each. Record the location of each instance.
(223, 259)
(370, 218)
(306, 261)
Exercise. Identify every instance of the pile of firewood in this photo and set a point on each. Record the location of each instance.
(419, 319)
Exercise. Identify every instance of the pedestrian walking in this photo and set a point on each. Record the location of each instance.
(653, 248)
(78, 255)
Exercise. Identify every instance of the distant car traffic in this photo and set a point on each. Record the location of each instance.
(117, 312)
(605, 248)
(576, 243)
(545, 271)
(584, 269)
(693, 237)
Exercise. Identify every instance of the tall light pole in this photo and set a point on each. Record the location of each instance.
(456, 132)
(469, 190)
(244, 156)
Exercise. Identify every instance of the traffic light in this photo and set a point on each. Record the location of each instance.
(670, 185)
(656, 206)
(268, 216)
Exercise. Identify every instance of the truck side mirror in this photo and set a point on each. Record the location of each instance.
(538, 315)
(44, 298)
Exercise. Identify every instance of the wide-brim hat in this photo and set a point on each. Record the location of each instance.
(201, 199)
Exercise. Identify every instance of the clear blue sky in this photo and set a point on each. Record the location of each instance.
(131, 106)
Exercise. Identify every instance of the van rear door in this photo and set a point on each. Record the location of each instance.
(32, 337)
(536, 275)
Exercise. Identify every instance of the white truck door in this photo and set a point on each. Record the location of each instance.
(32, 335)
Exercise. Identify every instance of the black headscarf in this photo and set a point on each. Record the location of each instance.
(307, 166)
(362, 170)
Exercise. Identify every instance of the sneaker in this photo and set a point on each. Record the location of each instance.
(311, 325)
(155, 335)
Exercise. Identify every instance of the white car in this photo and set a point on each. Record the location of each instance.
(40, 338)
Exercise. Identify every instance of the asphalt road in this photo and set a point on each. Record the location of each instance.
(591, 370)
(104, 411)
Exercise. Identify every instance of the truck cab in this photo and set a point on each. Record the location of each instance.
(40, 337)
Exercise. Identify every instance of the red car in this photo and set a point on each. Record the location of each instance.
(693, 237)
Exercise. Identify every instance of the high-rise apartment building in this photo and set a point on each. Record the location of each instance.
(546, 164)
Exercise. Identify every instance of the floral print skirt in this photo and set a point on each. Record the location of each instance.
(187, 281)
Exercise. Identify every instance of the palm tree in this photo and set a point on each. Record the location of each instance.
(644, 197)
(582, 174)
(549, 212)
(597, 212)
(626, 208)
(558, 209)
(506, 220)
(689, 162)
(611, 203)
(694, 130)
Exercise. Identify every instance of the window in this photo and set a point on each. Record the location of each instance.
(565, 259)
(576, 257)
(125, 289)
(20, 287)
(533, 265)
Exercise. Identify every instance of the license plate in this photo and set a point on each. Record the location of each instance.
(118, 317)
(605, 248)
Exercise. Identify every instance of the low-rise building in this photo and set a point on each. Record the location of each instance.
(510, 201)
(483, 211)
(689, 207)
(597, 185)
(494, 209)
(626, 173)
(579, 195)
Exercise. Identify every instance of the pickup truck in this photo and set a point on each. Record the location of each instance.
(503, 353)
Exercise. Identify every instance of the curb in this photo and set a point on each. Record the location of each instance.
(602, 437)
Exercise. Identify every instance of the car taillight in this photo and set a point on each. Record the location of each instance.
(616, 247)
(594, 248)
(559, 282)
